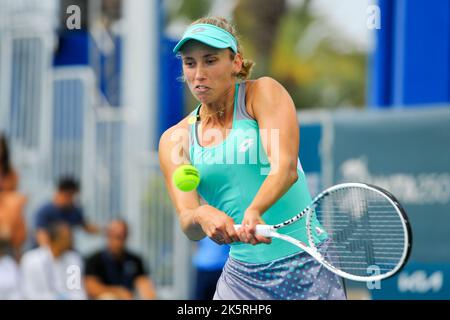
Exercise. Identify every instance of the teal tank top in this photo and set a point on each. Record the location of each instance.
(232, 173)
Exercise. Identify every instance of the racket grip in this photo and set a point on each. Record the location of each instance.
(264, 230)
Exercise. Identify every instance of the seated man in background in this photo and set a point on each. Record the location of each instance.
(53, 271)
(115, 273)
(62, 208)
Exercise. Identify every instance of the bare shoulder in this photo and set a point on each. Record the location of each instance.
(175, 133)
(266, 93)
(263, 85)
(174, 142)
(263, 89)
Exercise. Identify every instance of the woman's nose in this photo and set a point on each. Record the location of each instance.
(200, 73)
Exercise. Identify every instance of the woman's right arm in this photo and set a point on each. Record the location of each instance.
(196, 220)
(173, 146)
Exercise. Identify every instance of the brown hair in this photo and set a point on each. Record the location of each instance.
(5, 162)
(223, 23)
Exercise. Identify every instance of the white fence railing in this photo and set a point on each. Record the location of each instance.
(57, 126)
(25, 107)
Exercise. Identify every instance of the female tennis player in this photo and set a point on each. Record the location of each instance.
(243, 137)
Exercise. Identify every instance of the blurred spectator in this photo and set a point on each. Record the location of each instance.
(116, 273)
(208, 262)
(12, 203)
(8, 176)
(53, 272)
(62, 208)
(12, 223)
(9, 275)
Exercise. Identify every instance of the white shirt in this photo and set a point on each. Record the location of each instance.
(9, 279)
(47, 278)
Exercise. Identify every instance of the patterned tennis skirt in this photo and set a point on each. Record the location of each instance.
(295, 277)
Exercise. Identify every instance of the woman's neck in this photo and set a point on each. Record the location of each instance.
(218, 112)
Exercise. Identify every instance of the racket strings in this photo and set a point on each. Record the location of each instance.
(365, 231)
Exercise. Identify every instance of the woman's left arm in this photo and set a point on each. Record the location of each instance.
(275, 113)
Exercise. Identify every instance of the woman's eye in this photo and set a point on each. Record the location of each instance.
(210, 61)
(188, 63)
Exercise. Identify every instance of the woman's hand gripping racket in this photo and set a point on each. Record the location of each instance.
(358, 231)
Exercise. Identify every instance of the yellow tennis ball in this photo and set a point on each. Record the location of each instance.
(186, 177)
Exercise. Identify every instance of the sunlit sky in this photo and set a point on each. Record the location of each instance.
(349, 16)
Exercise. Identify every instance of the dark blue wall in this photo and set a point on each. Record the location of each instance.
(411, 62)
(171, 90)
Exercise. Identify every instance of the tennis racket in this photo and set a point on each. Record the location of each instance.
(364, 231)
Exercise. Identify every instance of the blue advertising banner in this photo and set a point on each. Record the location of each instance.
(417, 281)
(408, 154)
(309, 155)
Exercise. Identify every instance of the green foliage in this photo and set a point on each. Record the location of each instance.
(322, 76)
(190, 9)
(282, 40)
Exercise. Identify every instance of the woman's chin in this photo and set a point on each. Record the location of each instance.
(204, 99)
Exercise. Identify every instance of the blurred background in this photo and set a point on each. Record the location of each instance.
(88, 90)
